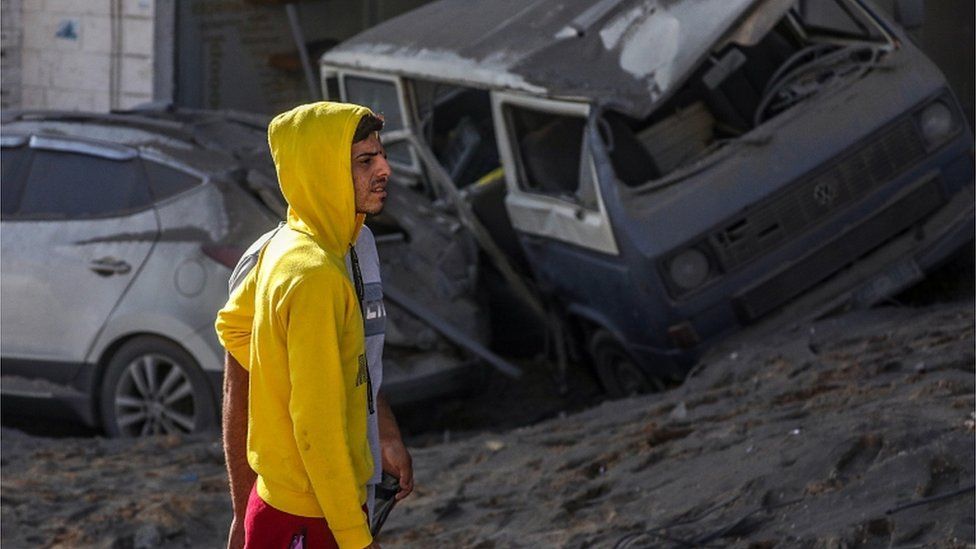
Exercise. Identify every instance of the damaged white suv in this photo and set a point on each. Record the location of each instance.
(118, 235)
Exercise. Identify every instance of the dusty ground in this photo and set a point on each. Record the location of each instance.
(817, 437)
(851, 432)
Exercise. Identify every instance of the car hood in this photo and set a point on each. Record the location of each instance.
(627, 54)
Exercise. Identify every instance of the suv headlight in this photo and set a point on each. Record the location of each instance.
(937, 123)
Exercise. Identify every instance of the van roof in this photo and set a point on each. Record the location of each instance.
(627, 54)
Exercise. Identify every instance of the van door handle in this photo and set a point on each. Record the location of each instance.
(108, 266)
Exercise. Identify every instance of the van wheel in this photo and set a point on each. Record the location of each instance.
(153, 387)
(618, 372)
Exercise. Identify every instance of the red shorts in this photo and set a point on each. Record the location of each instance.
(267, 527)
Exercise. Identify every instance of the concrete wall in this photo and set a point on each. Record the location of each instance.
(227, 51)
(10, 39)
(84, 54)
(103, 54)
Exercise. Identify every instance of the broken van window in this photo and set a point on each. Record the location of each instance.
(816, 45)
(381, 96)
(836, 18)
(456, 123)
(548, 147)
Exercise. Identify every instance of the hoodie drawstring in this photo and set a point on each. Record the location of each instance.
(357, 278)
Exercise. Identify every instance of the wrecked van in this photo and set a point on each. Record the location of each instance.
(625, 182)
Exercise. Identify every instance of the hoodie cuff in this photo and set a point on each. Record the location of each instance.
(356, 537)
(242, 355)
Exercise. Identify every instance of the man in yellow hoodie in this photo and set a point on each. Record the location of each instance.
(309, 382)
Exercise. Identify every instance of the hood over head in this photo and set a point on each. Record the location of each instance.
(312, 147)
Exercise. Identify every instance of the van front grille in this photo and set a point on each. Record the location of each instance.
(804, 204)
(778, 288)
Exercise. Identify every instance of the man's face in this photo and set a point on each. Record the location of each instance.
(370, 173)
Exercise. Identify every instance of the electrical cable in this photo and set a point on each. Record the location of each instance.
(923, 501)
(781, 78)
(701, 541)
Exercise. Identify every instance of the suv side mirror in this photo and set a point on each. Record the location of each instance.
(910, 14)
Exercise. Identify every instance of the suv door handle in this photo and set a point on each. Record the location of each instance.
(108, 266)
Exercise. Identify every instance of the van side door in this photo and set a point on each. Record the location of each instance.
(552, 185)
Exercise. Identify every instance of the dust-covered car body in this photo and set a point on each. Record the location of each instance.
(673, 170)
(118, 235)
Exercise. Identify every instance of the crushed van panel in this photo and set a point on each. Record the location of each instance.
(629, 54)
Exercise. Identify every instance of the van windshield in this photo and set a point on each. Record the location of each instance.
(774, 62)
(839, 19)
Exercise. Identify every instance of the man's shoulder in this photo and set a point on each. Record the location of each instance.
(250, 258)
(365, 236)
(297, 256)
(298, 276)
(369, 260)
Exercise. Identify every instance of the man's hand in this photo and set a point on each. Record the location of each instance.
(397, 462)
(396, 458)
(235, 538)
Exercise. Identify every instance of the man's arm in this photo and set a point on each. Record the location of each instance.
(396, 458)
(234, 326)
(235, 321)
(239, 474)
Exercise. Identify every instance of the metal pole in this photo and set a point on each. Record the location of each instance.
(296, 32)
(456, 336)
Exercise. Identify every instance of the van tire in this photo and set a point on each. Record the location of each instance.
(618, 372)
(152, 386)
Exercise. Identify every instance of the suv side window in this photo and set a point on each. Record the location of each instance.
(165, 181)
(12, 162)
(71, 185)
(549, 147)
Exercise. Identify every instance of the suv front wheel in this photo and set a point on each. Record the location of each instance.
(151, 387)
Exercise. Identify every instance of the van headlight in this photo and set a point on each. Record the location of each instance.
(689, 269)
(937, 123)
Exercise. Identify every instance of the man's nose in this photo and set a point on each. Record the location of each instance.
(384, 168)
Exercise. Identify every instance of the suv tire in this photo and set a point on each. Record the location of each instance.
(152, 386)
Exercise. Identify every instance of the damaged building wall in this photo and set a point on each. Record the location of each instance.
(219, 45)
(10, 36)
(79, 54)
(102, 54)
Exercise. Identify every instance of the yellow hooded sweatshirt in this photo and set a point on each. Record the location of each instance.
(307, 407)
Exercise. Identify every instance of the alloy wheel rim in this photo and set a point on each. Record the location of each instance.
(154, 396)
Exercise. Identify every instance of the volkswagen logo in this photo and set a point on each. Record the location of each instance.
(825, 193)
